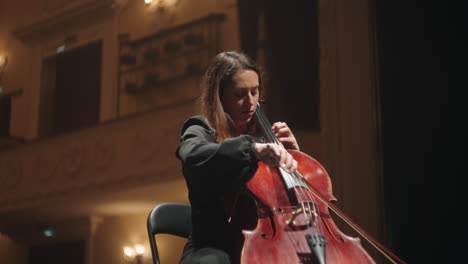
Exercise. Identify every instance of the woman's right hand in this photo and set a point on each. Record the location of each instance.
(272, 155)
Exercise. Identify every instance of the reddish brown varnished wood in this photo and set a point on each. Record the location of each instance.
(274, 242)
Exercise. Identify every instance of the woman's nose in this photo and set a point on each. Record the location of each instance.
(250, 100)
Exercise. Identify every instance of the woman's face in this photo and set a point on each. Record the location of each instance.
(240, 99)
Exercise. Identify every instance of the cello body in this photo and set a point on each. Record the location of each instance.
(280, 236)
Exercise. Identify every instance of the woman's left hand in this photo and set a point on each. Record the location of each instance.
(284, 135)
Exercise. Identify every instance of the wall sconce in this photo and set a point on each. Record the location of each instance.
(134, 255)
(3, 63)
(161, 5)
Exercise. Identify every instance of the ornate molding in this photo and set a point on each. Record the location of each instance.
(71, 14)
(123, 154)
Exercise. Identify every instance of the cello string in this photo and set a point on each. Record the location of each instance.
(384, 251)
(266, 126)
(308, 211)
(314, 193)
(318, 217)
(293, 180)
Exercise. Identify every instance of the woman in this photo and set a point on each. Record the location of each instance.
(219, 154)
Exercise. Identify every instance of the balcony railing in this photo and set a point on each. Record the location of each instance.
(121, 154)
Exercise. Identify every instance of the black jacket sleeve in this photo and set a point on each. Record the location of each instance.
(210, 165)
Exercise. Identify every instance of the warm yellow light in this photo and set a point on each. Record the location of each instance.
(161, 5)
(3, 60)
(128, 251)
(139, 249)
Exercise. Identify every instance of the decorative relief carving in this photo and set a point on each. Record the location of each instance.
(59, 14)
(72, 161)
(119, 4)
(143, 146)
(11, 176)
(103, 154)
(44, 168)
(134, 152)
(54, 5)
(151, 67)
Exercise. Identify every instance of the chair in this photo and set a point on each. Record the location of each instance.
(168, 218)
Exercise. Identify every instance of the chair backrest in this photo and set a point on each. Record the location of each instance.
(168, 218)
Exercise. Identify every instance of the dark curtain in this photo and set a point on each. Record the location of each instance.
(420, 69)
(291, 57)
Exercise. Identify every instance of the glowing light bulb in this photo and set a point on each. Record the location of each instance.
(148, 1)
(139, 249)
(3, 60)
(128, 251)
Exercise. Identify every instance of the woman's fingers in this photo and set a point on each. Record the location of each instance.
(272, 154)
(267, 153)
(280, 129)
(288, 142)
(285, 135)
(283, 132)
(283, 157)
(290, 163)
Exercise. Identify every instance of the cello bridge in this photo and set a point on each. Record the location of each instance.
(307, 212)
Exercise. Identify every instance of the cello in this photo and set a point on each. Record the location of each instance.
(294, 224)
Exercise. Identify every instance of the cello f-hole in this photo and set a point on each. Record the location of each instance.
(273, 228)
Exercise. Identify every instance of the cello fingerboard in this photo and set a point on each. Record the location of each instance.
(290, 181)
